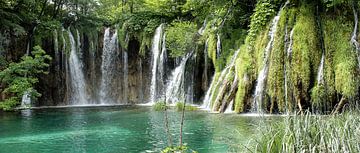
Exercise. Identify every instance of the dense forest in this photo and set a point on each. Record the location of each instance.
(289, 55)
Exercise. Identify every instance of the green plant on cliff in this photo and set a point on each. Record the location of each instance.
(179, 38)
(21, 77)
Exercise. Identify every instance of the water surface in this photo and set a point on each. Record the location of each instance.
(119, 129)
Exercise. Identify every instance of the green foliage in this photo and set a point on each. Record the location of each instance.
(306, 53)
(180, 37)
(265, 9)
(180, 106)
(159, 106)
(337, 38)
(22, 76)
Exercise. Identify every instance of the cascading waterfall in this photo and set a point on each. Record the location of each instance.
(320, 76)
(108, 66)
(262, 78)
(175, 91)
(155, 50)
(78, 89)
(216, 85)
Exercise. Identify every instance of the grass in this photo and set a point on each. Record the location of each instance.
(310, 133)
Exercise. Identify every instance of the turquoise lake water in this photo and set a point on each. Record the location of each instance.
(123, 129)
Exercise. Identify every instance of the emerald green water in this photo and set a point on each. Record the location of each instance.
(118, 129)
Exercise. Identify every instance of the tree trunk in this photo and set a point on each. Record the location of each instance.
(223, 89)
(230, 96)
(339, 106)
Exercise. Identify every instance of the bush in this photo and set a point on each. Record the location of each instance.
(159, 106)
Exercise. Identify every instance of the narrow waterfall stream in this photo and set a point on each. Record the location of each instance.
(77, 79)
(108, 67)
(155, 50)
(320, 75)
(218, 46)
(262, 77)
(126, 79)
(288, 53)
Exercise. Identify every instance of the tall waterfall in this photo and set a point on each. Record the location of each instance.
(155, 50)
(215, 84)
(354, 35)
(262, 78)
(175, 88)
(110, 48)
(126, 74)
(206, 65)
(77, 79)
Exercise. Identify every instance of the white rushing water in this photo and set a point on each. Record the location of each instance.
(126, 73)
(77, 79)
(107, 66)
(354, 35)
(262, 77)
(162, 62)
(175, 88)
(320, 75)
(26, 100)
(206, 64)
(216, 83)
(203, 27)
(155, 50)
(218, 46)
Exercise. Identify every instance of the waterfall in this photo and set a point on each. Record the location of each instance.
(77, 79)
(202, 29)
(289, 53)
(110, 47)
(320, 76)
(229, 109)
(218, 46)
(354, 35)
(205, 73)
(262, 78)
(175, 91)
(162, 62)
(26, 100)
(126, 73)
(216, 83)
(155, 50)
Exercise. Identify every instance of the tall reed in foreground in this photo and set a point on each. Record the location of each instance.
(311, 134)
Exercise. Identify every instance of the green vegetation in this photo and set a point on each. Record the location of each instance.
(310, 133)
(180, 106)
(179, 38)
(160, 106)
(21, 77)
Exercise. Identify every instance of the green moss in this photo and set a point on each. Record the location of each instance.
(337, 37)
(212, 50)
(306, 53)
